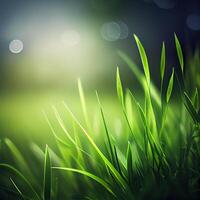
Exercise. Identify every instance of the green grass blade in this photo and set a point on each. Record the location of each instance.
(106, 129)
(147, 86)
(88, 174)
(140, 77)
(60, 142)
(61, 123)
(103, 157)
(144, 60)
(191, 108)
(38, 152)
(148, 137)
(16, 187)
(117, 161)
(170, 86)
(15, 194)
(129, 164)
(119, 88)
(179, 52)
(17, 155)
(150, 113)
(83, 103)
(58, 139)
(16, 172)
(19, 191)
(196, 100)
(20, 161)
(162, 62)
(134, 68)
(142, 115)
(47, 176)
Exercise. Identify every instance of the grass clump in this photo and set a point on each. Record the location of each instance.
(157, 155)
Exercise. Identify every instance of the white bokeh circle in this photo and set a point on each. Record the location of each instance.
(16, 46)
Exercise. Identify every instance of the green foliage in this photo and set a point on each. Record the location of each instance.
(154, 146)
(144, 60)
(101, 155)
(179, 52)
(196, 100)
(16, 187)
(140, 76)
(191, 109)
(106, 130)
(119, 88)
(47, 176)
(129, 164)
(170, 86)
(16, 154)
(162, 62)
(18, 174)
(90, 175)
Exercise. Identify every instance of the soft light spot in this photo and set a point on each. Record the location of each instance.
(70, 38)
(124, 32)
(16, 46)
(193, 22)
(110, 31)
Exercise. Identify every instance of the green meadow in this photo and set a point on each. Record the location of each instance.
(127, 144)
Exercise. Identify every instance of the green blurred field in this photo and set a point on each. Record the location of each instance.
(22, 118)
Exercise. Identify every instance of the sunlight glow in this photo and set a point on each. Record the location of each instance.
(70, 38)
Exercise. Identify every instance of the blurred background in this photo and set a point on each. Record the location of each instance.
(45, 46)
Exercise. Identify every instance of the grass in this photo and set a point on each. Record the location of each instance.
(155, 155)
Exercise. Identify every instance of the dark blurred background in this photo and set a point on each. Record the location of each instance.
(66, 39)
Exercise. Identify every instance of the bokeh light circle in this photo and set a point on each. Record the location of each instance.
(124, 31)
(16, 46)
(110, 31)
(193, 22)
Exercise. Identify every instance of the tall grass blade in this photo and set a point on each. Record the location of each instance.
(119, 88)
(17, 155)
(170, 86)
(162, 62)
(179, 52)
(140, 76)
(83, 104)
(129, 164)
(117, 161)
(61, 123)
(191, 108)
(144, 60)
(106, 130)
(196, 100)
(58, 139)
(47, 176)
(17, 173)
(103, 157)
(17, 188)
(88, 174)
